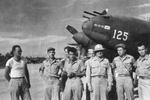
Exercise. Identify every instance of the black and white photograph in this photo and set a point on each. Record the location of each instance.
(74, 50)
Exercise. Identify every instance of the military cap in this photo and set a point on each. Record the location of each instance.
(120, 45)
(50, 48)
(72, 49)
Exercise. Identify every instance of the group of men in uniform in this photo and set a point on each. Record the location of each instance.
(93, 76)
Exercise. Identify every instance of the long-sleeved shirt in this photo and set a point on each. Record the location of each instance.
(96, 67)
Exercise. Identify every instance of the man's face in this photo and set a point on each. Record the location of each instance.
(72, 55)
(66, 52)
(17, 52)
(142, 50)
(91, 54)
(121, 51)
(51, 53)
(99, 54)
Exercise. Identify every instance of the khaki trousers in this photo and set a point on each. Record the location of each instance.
(99, 86)
(73, 89)
(124, 85)
(52, 89)
(18, 88)
(144, 89)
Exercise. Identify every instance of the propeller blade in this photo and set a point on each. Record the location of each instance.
(71, 29)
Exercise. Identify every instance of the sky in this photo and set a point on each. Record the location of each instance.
(36, 25)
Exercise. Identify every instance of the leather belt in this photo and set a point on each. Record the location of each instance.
(144, 77)
(100, 76)
(123, 75)
(53, 77)
(17, 77)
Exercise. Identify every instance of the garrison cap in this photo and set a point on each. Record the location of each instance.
(50, 49)
(120, 45)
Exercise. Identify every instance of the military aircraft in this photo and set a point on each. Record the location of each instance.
(109, 30)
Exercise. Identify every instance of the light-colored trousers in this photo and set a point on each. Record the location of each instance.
(73, 89)
(144, 89)
(99, 86)
(52, 89)
(124, 84)
(19, 88)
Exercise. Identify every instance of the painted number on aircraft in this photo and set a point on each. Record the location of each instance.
(120, 35)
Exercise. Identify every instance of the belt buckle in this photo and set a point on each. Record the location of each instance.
(17, 77)
(101, 76)
(123, 75)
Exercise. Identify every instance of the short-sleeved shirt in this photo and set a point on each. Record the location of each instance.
(76, 66)
(51, 68)
(143, 66)
(17, 67)
(124, 65)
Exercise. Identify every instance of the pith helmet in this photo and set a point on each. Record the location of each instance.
(98, 47)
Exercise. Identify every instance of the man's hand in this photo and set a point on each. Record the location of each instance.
(64, 73)
(109, 88)
(71, 75)
(90, 88)
(135, 82)
(28, 85)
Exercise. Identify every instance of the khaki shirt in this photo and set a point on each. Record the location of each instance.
(97, 66)
(76, 67)
(123, 65)
(51, 68)
(143, 66)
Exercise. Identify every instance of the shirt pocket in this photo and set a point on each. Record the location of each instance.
(104, 65)
(95, 69)
(147, 64)
(128, 65)
(118, 63)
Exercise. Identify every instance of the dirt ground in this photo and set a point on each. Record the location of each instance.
(36, 84)
(37, 89)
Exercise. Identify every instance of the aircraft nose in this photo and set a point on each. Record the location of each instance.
(87, 27)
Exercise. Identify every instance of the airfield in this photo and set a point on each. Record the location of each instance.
(36, 90)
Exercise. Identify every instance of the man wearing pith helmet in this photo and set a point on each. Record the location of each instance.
(123, 68)
(99, 73)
